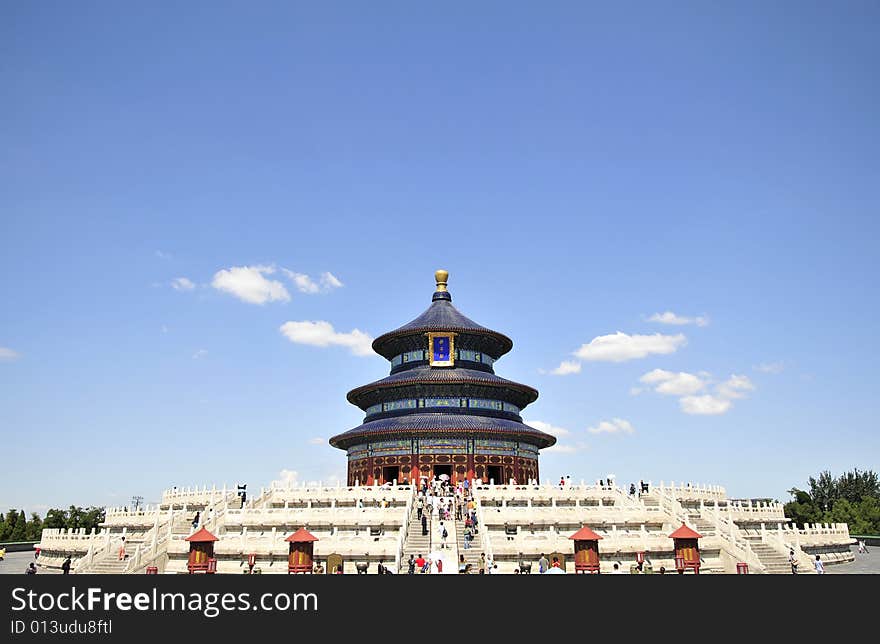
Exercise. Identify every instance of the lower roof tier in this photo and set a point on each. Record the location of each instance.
(440, 424)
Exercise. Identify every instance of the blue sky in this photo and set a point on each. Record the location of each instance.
(577, 168)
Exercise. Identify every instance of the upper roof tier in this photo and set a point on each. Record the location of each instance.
(441, 316)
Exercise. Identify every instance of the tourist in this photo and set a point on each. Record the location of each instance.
(444, 534)
(516, 571)
(31, 569)
(556, 563)
(561, 481)
(420, 563)
(662, 570)
(568, 480)
(439, 564)
(195, 521)
(820, 567)
(468, 537)
(618, 571)
(862, 548)
(420, 504)
(65, 567)
(793, 562)
(339, 569)
(424, 525)
(543, 564)
(462, 566)
(632, 489)
(122, 549)
(482, 563)
(380, 568)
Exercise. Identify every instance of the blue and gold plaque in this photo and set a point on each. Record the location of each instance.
(441, 349)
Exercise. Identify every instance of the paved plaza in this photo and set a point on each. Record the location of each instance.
(865, 564)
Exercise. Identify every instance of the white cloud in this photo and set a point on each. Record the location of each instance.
(8, 355)
(567, 367)
(303, 282)
(620, 347)
(735, 386)
(706, 405)
(182, 284)
(669, 317)
(201, 353)
(635, 391)
(317, 440)
(547, 428)
(306, 284)
(321, 334)
(287, 477)
(248, 284)
(162, 255)
(558, 432)
(673, 384)
(329, 280)
(164, 329)
(687, 385)
(770, 367)
(613, 426)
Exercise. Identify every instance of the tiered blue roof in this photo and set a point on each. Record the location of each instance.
(466, 379)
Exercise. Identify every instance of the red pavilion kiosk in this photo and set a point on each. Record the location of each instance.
(687, 550)
(201, 552)
(301, 554)
(586, 551)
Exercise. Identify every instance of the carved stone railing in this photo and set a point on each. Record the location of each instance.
(726, 531)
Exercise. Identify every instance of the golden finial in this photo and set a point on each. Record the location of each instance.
(441, 276)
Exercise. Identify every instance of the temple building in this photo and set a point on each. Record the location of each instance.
(442, 410)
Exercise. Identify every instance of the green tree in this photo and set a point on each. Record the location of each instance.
(854, 486)
(852, 498)
(55, 519)
(19, 532)
(803, 509)
(34, 528)
(823, 490)
(9, 523)
(92, 518)
(74, 517)
(869, 512)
